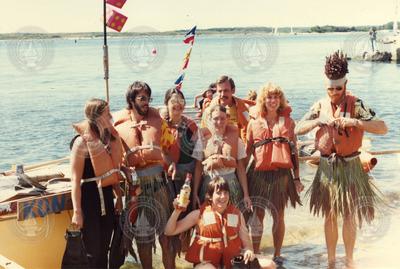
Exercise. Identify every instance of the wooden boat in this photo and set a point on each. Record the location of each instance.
(33, 227)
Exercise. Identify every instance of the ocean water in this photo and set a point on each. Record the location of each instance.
(44, 85)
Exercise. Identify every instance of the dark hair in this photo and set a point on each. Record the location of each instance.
(134, 89)
(170, 92)
(216, 184)
(223, 79)
(336, 66)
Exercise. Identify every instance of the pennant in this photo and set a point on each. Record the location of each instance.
(180, 79)
(186, 59)
(189, 37)
(116, 20)
(116, 3)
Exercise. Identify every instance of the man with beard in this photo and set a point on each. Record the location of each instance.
(236, 107)
(140, 127)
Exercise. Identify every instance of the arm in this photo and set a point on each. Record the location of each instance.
(246, 241)
(241, 173)
(309, 121)
(364, 119)
(196, 98)
(297, 182)
(198, 171)
(373, 126)
(249, 143)
(77, 165)
(175, 227)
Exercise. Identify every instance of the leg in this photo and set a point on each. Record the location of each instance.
(278, 231)
(349, 237)
(168, 252)
(145, 255)
(257, 227)
(331, 236)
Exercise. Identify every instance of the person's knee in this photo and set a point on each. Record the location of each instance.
(205, 266)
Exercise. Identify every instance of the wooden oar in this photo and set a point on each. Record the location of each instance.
(34, 166)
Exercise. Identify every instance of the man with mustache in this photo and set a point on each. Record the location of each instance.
(340, 187)
(140, 127)
(236, 107)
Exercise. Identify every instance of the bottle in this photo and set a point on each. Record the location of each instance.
(184, 195)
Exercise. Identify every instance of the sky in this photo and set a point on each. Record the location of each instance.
(86, 15)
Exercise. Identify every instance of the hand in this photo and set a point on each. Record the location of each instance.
(344, 122)
(247, 203)
(77, 220)
(172, 170)
(207, 164)
(118, 205)
(178, 206)
(299, 186)
(196, 201)
(248, 256)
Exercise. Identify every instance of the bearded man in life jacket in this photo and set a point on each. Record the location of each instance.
(341, 188)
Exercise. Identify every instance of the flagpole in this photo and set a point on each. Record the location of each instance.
(105, 51)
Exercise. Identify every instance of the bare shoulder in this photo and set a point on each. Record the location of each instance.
(79, 146)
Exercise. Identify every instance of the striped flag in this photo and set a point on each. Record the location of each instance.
(189, 37)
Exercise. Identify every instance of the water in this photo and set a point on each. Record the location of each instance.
(38, 108)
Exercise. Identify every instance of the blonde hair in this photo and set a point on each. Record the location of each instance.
(269, 90)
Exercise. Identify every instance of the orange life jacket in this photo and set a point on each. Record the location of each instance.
(227, 146)
(242, 115)
(329, 139)
(271, 148)
(106, 162)
(217, 237)
(141, 140)
(175, 148)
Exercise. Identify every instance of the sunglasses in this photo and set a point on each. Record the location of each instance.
(338, 89)
(144, 98)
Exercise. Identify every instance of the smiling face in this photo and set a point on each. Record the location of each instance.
(220, 199)
(272, 102)
(176, 105)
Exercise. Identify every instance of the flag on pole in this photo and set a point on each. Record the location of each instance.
(179, 81)
(189, 37)
(116, 3)
(116, 20)
(186, 59)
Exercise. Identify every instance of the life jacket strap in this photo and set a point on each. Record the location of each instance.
(280, 139)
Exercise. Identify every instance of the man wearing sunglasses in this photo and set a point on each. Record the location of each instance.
(340, 186)
(140, 127)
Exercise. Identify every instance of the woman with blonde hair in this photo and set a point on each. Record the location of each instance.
(274, 174)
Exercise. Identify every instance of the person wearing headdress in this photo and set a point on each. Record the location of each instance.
(340, 187)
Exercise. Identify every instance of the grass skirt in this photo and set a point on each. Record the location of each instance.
(154, 207)
(342, 188)
(272, 189)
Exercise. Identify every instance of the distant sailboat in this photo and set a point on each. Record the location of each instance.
(276, 30)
